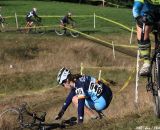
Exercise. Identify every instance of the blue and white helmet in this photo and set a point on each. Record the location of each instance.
(63, 75)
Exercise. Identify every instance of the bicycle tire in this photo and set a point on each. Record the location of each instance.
(156, 86)
(24, 30)
(4, 27)
(40, 30)
(9, 120)
(60, 30)
(74, 33)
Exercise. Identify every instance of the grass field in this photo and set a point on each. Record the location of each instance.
(29, 64)
(60, 9)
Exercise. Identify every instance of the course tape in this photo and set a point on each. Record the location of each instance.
(2, 94)
(55, 16)
(100, 40)
(58, 16)
(115, 5)
(125, 84)
(109, 20)
(89, 36)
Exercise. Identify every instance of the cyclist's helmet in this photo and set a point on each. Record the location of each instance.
(63, 75)
(69, 14)
(35, 9)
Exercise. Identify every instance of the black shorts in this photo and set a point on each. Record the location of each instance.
(29, 19)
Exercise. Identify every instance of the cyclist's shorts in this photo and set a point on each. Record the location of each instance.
(152, 10)
(99, 104)
(29, 19)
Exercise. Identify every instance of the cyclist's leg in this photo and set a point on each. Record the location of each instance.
(87, 110)
(144, 44)
(98, 105)
(144, 49)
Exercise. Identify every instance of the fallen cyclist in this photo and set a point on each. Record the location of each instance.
(89, 95)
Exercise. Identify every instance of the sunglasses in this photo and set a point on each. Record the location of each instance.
(64, 81)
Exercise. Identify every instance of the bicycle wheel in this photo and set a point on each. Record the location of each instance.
(40, 29)
(72, 32)
(25, 30)
(60, 30)
(4, 27)
(9, 120)
(156, 86)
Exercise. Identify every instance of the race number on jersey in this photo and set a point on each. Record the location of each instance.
(95, 88)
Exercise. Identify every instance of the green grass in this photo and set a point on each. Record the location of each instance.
(34, 81)
(27, 81)
(120, 15)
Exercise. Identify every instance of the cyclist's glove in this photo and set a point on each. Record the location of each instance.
(60, 114)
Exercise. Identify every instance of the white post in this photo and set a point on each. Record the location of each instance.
(16, 20)
(99, 77)
(103, 2)
(81, 69)
(114, 56)
(130, 41)
(137, 78)
(94, 20)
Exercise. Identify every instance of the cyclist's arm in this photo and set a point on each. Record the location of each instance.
(35, 15)
(81, 101)
(68, 100)
(71, 19)
(137, 8)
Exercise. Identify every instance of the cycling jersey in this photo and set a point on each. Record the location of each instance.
(145, 7)
(93, 94)
(65, 20)
(30, 15)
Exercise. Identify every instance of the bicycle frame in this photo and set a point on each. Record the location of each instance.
(37, 122)
(156, 52)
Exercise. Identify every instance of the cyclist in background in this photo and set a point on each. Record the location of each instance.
(31, 17)
(2, 20)
(146, 12)
(66, 19)
(87, 94)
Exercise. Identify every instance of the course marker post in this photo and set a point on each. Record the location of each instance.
(99, 76)
(137, 78)
(94, 20)
(130, 41)
(103, 2)
(81, 69)
(114, 56)
(16, 20)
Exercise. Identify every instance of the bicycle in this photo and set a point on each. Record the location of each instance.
(153, 78)
(36, 27)
(62, 30)
(21, 118)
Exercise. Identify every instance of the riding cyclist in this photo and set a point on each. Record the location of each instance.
(32, 16)
(146, 12)
(87, 94)
(66, 19)
(2, 20)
